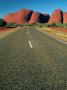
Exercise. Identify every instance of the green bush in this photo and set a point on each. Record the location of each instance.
(64, 25)
(53, 24)
(2, 23)
(11, 25)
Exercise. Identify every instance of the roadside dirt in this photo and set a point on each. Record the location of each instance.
(6, 31)
(59, 33)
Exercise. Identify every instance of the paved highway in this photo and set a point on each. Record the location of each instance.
(31, 60)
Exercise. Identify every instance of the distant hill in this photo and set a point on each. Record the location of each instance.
(25, 16)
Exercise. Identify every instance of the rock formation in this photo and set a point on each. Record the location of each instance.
(35, 18)
(57, 16)
(10, 18)
(23, 16)
(65, 17)
(26, 16)
(20, 17)
(39, 18)
(44, 18)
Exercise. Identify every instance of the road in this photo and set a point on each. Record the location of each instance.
(31, 60)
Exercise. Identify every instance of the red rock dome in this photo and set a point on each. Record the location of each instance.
(65, 17)
(10, 18)
(20, 17)
(56, 17)
(34, 17)
(26, 16)
(23, 16)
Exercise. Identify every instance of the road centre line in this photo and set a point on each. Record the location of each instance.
(30, 44)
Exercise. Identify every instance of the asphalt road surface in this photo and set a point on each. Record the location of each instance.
(31, 60)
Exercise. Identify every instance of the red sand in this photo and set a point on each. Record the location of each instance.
(3, 29)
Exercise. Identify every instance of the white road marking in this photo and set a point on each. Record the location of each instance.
(27, 33)
(30, 44)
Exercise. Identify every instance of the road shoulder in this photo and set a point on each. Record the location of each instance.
(52, 35)
(7, 32)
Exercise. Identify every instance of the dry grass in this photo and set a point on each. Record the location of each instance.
(55, 32)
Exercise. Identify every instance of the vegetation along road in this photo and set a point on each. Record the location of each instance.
(31, 60)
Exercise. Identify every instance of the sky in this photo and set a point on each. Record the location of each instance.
(43, 6)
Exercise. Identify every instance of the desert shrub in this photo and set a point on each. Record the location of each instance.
(64, 25)
(10, 25)
(39, 25)
(29, 24)
(2, 23)
(20, 25)
(47, 25)
(53, 24)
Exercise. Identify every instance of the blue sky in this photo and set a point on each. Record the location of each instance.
(44, 6)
